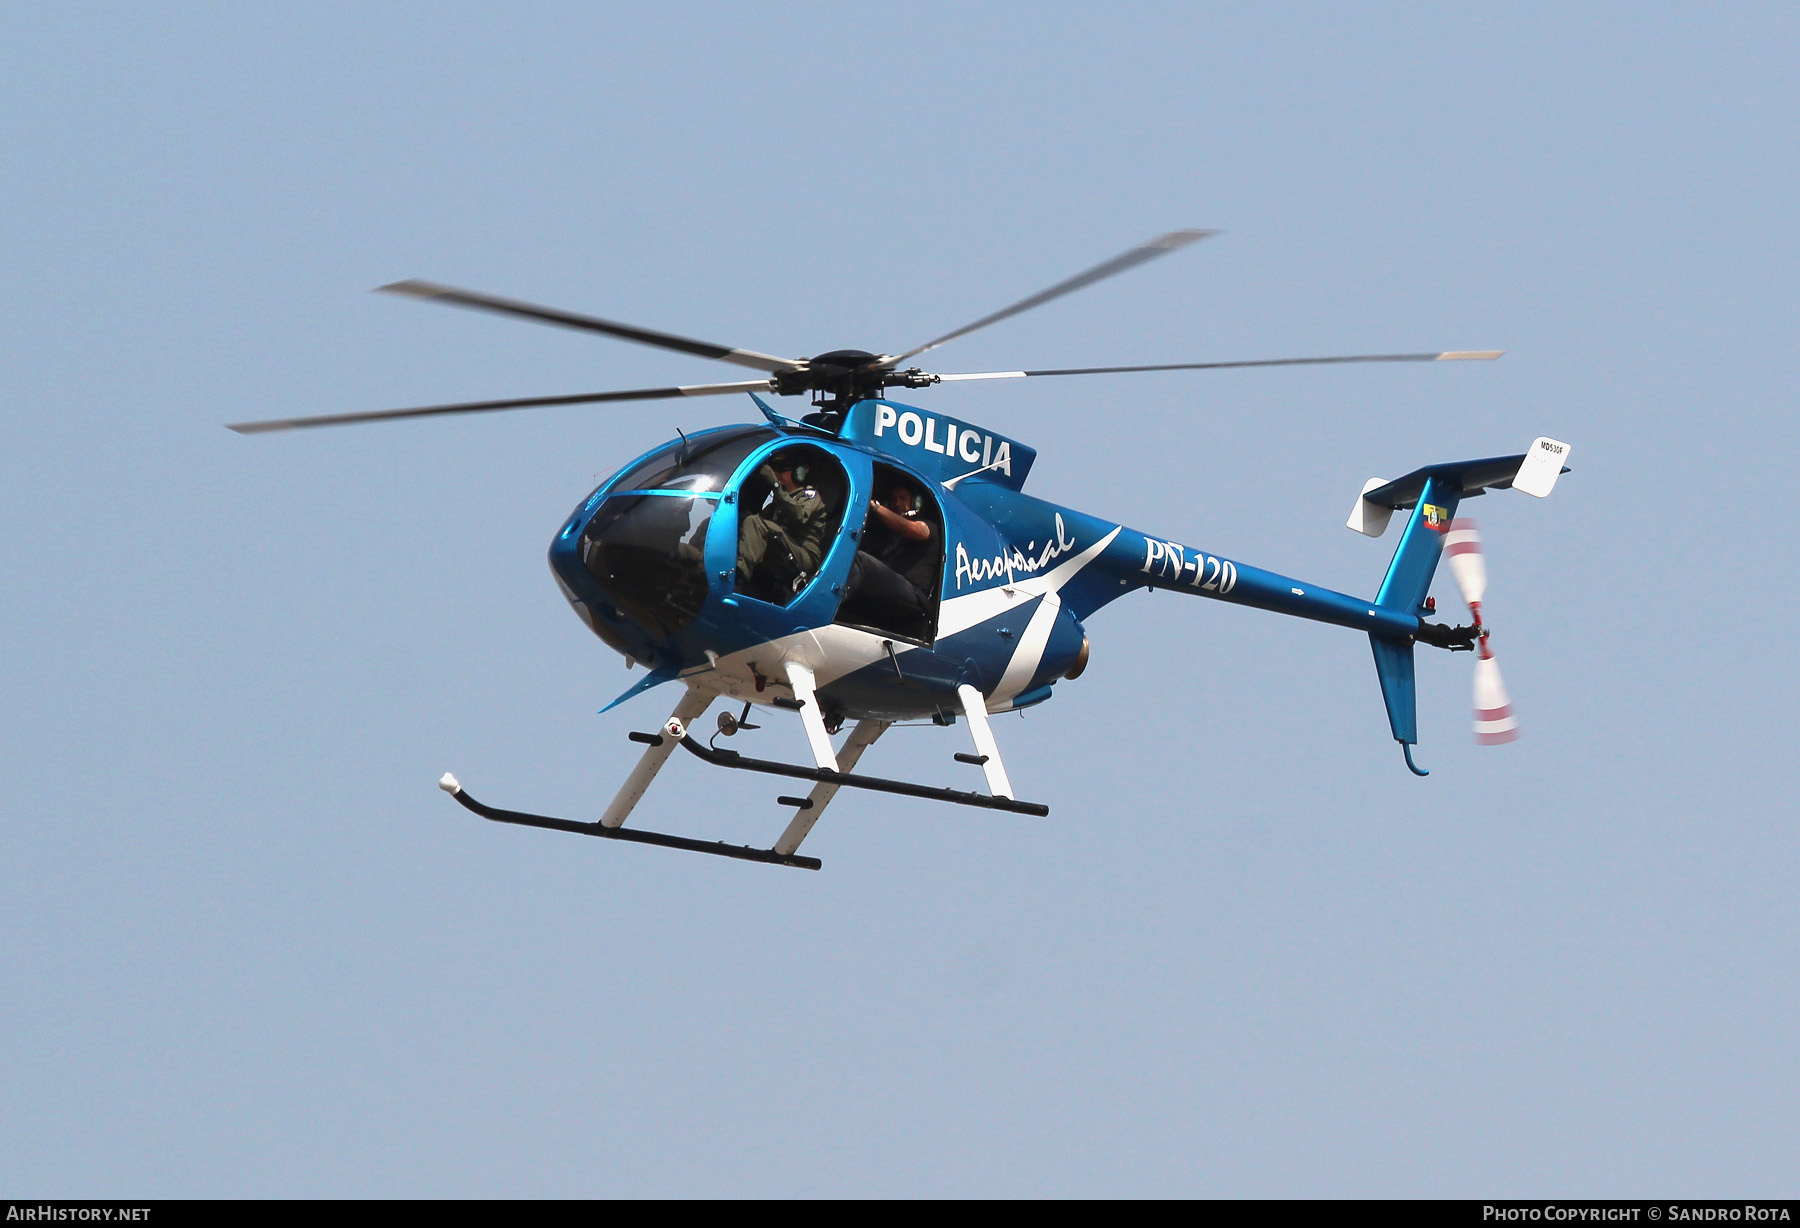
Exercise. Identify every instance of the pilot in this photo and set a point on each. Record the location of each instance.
(795, 519)
(900, 568)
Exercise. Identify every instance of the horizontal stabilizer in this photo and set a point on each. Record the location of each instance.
(1533, 472)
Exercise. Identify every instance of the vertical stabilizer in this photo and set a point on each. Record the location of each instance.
(1394, 666)
(1415, 561)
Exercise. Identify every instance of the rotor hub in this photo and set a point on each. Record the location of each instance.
(836, 376)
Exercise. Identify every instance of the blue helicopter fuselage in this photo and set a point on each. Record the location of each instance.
(650, 563)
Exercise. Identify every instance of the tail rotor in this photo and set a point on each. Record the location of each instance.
(1494, 720)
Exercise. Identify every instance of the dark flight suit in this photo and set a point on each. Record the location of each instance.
(899, 572)
(795, 518)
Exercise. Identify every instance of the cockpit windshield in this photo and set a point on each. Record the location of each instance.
(645, 545)
(703, 464)
(648, 553)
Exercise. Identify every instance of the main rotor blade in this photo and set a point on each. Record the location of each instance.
(569, 319)
(1160, 246)
(1446, 356)
(478, 407)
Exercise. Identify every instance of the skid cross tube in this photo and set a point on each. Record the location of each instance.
(731, 759)
(636, 836)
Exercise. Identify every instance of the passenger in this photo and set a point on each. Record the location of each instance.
(900, 569)
(795, 520)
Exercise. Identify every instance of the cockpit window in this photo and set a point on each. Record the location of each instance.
(647, 552)
(703, 464)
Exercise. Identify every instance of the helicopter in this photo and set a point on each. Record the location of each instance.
(876, 563)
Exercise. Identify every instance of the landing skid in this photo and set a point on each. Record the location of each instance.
(826, 777)
(632, 834)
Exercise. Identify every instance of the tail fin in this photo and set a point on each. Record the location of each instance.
(1403, 590)
(1433, 494)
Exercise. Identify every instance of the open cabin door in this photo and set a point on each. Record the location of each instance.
(896, 582)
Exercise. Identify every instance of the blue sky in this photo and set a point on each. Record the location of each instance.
(250, 950)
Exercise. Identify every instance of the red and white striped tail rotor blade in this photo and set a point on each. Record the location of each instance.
(1462, 546)
(1494, 721)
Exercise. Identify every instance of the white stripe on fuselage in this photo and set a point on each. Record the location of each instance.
(1030, 652)
(972, 609)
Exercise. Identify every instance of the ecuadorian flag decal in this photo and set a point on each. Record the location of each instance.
(1437, 519)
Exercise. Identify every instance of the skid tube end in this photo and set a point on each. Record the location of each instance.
(1406, 749)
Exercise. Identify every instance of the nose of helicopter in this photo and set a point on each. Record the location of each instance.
(639, 559)
(632, 558)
